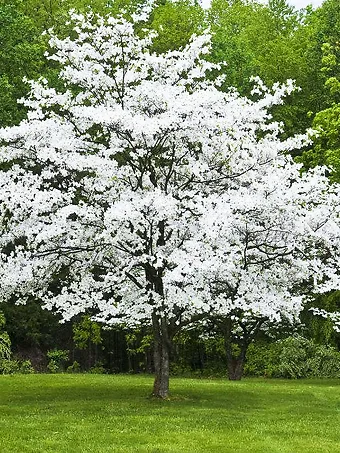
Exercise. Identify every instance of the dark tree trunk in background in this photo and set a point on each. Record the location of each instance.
(236, 348)
(235, 359)
(235, 367)
(162, 346)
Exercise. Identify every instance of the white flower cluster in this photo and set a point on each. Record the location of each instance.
(148, 191)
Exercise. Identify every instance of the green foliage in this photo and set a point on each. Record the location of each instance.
(230, 22)
(262, 360)
(85, 332)
(197, 354)
(295, 358)
(14, 366)
(8, 114)
(98, 368)
(7, 364)
(74, 368)
(5, 344)
(321, 330)
(139, 344)
(31, 327)
(22, 49)
(214, 359)
(175, 24)
(5, 348)
(57, 360)
(326, 149)
(54, 13)
(87, 336)
(301, 358)
(323, 54)
(21, 55)
(268, 41)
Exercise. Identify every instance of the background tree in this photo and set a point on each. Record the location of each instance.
(263, 246)
(268, 41)
(87, 337)
(326, 123)
(21, 55)
(175, 23)
(320, 26)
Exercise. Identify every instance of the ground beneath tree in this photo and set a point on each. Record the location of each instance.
(114, 413)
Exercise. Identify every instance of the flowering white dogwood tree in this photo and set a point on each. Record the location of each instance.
(144, 194)
(268, 240)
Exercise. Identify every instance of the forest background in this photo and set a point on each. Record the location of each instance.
(273, 41)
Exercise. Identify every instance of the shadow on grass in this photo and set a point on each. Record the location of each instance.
(71, 413)
(99, 391)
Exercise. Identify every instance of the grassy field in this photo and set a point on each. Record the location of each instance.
(100, 413)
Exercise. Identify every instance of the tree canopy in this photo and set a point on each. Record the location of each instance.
(140, 191)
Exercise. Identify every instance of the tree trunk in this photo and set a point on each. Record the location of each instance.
(161, 329)
(235, 362)
(235, 368)
(161, 358)
(161, 383)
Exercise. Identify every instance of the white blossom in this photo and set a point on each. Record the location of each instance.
(149, 192)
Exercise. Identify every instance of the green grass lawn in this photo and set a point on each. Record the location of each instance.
(101, 413)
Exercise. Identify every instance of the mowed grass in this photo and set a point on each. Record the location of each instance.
(113, 413)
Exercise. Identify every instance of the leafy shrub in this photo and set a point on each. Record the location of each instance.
(326, 362)
(57, 360)
(98, 368)
(74, 368)
(16, 367)
(180, 369)
(294, 357)
(302, 358)
(262, 360)
(5, 342)
(25, 367)
(5, 346)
